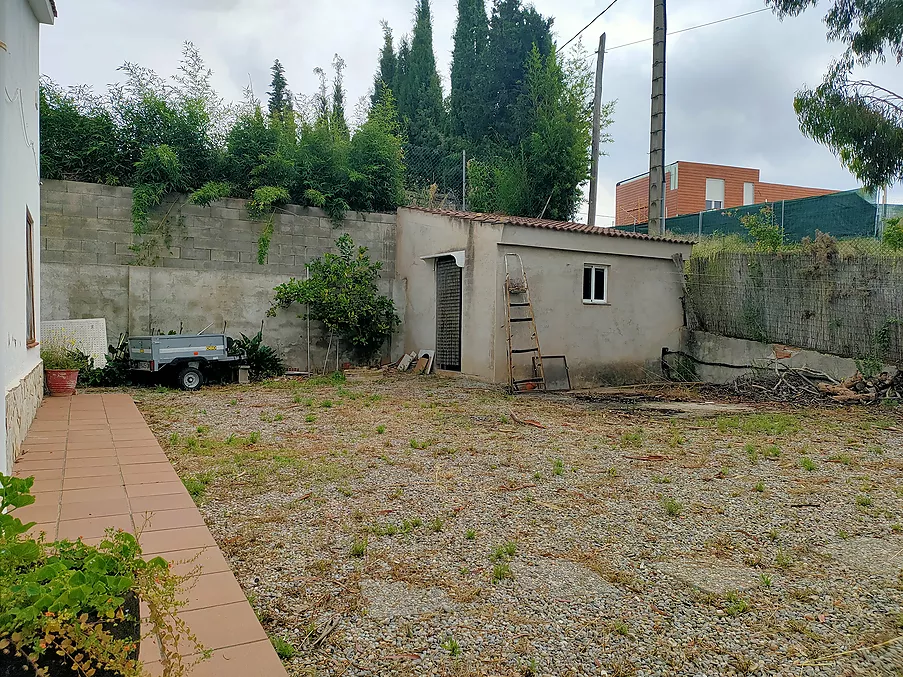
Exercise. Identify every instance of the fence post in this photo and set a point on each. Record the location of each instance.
(782, 220)
(700, 225)
(463, 180)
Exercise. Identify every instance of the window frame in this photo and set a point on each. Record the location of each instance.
(31, 320)
(592, 301)
(712, 205)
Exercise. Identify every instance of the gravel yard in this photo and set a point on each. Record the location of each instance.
(430, 526)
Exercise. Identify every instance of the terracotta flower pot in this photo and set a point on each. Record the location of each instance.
(61, 382)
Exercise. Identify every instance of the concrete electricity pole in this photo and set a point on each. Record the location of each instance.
(597, 120)
(657, 137)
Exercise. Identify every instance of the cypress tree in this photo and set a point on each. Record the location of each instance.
(338, 123)
(513, 31)
(388, 64)
(401, 84)
(280, 96)
(426, 112)
(471, 39)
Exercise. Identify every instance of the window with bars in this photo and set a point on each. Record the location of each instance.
(31, 339)
(595, 284)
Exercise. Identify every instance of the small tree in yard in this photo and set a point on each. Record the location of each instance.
(342, 294)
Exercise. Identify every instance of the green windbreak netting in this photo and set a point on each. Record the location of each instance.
(843, 215)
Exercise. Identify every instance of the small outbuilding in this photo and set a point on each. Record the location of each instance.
(605, 301)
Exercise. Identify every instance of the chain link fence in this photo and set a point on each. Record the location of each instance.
(434, 178)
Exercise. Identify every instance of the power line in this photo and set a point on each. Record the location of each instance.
(693, 28)
(588, 25)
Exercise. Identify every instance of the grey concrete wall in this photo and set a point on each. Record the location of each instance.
(209, 274)
(616, 343)
(745, 356)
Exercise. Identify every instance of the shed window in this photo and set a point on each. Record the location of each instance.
(595, 284)
(31, 338)
(714, 194)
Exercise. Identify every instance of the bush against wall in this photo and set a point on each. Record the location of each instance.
(342, 293)
(165, 135)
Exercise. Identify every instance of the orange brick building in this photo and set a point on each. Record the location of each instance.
(693, 187)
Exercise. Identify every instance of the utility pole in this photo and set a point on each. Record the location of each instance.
(597, 121)
(657, 136)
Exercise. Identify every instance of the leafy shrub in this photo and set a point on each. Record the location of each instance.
(761, 227)
(62, 357)
(893, 233)
(66, 602)
(262, 359)
(117, 371)
(342, 294)
(212, 191)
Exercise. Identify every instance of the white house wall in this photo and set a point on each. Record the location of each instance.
(19, 190)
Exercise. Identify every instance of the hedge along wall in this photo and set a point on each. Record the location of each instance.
(852, 307)
(207, 274)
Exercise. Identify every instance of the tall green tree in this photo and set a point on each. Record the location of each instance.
(338, 122)
(388, 64)
(471, 40)
(420, 100)
(513, 32)
(280, 96)
(860, 120)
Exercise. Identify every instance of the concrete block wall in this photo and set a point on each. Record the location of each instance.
(209, 274)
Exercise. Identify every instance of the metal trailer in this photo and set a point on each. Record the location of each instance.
(187, 355)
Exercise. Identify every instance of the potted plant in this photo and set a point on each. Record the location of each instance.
(61, 367)
(68, 608)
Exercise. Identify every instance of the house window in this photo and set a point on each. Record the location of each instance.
(714, 194)
(749, 194)
(31, 339)
(595, 284)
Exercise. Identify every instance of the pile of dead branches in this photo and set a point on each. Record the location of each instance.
(860, 389)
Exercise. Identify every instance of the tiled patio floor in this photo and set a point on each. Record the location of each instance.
(97, 465)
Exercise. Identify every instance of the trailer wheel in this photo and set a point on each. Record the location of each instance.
(190, 379)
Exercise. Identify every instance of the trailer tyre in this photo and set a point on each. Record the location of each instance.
(190, 379)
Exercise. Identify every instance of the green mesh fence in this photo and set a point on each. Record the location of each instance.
(843, 215)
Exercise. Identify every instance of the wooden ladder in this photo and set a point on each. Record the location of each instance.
(517, 295)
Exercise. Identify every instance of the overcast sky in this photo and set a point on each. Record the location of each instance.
(730, 86)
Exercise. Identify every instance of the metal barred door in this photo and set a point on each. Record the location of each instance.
(448, 314)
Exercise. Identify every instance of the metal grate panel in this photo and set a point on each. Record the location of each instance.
(448, 314)
(88, 336)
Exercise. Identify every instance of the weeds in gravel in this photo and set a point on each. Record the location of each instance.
(672, 506)
(530, 668)
(633, 439)
(863, 500)
(772, 451)
(326, 404)
(197, 485)
(782, 560)
(470, 535)
(752, 452)
(620, 628)
(416, 444)
(380, 429)
(843, 459)
(451, 645)
(437, 524)
(897, 528)
(233, 402)
(345, 491)
(310, 418)
(358, 547)
(557, 466)
(807, 464)
(254, 437)
(759, 486)
(676, 440)
(774, 534)
(500, 572)
(736, 605)
(661, 480)
(503, 552)
(762, 424)
(765, 580)
(284, 649)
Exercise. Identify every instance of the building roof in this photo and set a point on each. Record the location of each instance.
(53, 7)
(568, 226)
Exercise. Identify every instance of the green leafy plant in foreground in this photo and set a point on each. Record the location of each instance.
(66, 602)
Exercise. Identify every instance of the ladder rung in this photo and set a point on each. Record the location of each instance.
(530, 380)
(518, 305)
(521, 319)
(525, 350)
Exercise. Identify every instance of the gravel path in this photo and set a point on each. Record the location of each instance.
(412, 526)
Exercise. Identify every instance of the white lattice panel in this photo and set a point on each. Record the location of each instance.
(88, 336)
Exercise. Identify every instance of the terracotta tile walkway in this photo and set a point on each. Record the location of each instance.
(97, 465)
